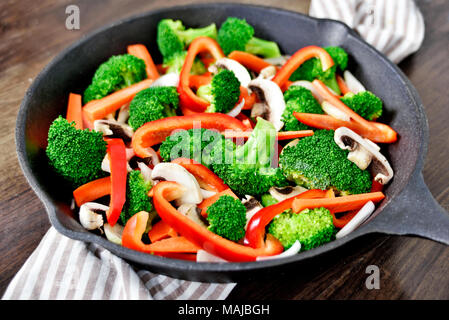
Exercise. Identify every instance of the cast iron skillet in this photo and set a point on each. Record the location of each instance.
(409, 207)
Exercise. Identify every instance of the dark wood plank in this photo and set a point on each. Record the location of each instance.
(32, 33)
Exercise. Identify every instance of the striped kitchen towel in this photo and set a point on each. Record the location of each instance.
(65, 269)
(394, 27)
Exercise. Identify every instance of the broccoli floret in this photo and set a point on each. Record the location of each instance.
(137, 198)
(117, 73)
(176, 61)
(152, 104)
(312, 69)
(173, 37)
(237, 34)
(247, 170)
(199, 144)
(75, 154)
(317, 162)
(312, 228)
(365, 103)
(223, 92)
(298, 99)
(227, 218)
(268, 200)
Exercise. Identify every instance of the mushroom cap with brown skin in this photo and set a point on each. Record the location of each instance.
(272, 103)
(364, 153)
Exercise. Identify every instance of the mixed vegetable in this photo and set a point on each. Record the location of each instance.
(226, 151)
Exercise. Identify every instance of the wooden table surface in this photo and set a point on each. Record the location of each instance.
(33, 32)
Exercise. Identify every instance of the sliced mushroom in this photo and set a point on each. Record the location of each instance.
(123, 114)
(91, 215)
(364, 153)
(175, 172)
(240, 72)
(272, 103)
(114, 234)
(167, 80)
(252, 205)
(268, 72)
(152, 159)
(280, 194)
(192, 212)
(114, 129)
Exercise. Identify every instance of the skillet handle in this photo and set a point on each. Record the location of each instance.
(414, 212)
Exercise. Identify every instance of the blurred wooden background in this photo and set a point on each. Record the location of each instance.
(33, 32)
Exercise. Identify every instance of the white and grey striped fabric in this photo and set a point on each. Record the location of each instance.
(394, 27)
(64, 269)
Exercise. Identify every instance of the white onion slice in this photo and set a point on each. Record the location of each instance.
(204, 256)
(308, 85)
(207, 194)
(167, 80)
(145, 171)
(237, 109)
(278, 61)
(357, 220)
(334, 112)
(352, 83)
(294, 249)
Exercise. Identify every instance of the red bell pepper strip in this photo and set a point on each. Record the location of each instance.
(206, 203)
(166, 191)
(250, 99)
(382, 134)
(132, 238)
(342, 85)
(282, 135)
(206, 178)
(246, 121)
(161, 230)
(255, 230)
(198, 80)
(327, 95)
(248, 60)
(338, 204)
(98, 109)
(298, 58)
(155, 132)
(92, 190)
(116, 151)
(187, 97)
(140, 51)
(74, 110)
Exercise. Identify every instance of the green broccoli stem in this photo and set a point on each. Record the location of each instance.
(190, 34)
(205, 92)
(333, 84)
(265, 48)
